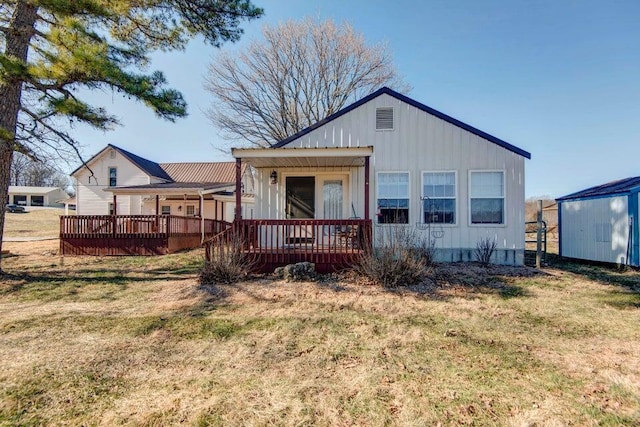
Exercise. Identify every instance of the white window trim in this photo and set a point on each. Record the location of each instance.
(376, 198)
(504, 198)
(457, 205)
(109, 176)
(393, 119)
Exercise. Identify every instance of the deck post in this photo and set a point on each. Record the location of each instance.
(157, 213)
(238, 216)
(115, 215)
(366, 187)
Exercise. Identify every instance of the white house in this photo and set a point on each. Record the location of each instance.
(601, 223)
(116, 181)
(36, 196)
(392, 160)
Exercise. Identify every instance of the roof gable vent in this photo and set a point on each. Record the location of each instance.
(384, 118)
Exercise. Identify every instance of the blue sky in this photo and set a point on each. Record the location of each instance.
(560, 79)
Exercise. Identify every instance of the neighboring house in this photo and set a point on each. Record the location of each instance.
(116, 181)
(601, 223)
(36, 196)
(384, 161)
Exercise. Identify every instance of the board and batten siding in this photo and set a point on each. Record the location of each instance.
(595, 229)
(419, 142)
(90, 194)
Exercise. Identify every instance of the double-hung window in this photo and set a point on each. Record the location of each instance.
(113, 177)
(165, 210)
(393, 197)
(439, 197)
(486, 191)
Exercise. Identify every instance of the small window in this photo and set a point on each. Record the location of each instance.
(110, 209)
(393, 197)
(439, 197)
(165, 210)
(191, 210)
(113, 177)
(384, 118)
(486, 197)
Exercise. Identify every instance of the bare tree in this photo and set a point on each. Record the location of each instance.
(39, 173)
(19, 168)
(299, 74)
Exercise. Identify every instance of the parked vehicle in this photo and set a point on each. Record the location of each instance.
(15, 208)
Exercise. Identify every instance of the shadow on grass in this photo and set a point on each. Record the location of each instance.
(626, 279)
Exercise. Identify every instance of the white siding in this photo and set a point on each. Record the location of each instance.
(595, 229)
(419, 142)
(90, 195)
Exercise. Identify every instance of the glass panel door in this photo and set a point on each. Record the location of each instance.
(301, 195)
(333, 196)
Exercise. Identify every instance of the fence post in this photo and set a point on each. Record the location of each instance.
(539, 236)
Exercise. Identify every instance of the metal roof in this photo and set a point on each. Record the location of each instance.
(204, 172)
(32, 190)
(149, 167)
(613, 187)
(414, 103)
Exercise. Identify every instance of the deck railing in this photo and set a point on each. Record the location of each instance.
(152, 226)
(274, 242)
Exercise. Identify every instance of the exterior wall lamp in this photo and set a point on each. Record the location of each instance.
(274, 177)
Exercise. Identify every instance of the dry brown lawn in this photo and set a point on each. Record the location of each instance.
(33, 223)
(136, 341)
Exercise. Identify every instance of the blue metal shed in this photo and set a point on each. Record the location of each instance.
(601, 223)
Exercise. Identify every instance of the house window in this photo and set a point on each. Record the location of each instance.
(110, 209)
(113, 177)
(191, 210)
(384, 118)
(165, 210)
(393, 197)
(439, 197)
(486, 194)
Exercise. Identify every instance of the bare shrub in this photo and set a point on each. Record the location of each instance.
(226, 262)
(401, 258)
(484, 251)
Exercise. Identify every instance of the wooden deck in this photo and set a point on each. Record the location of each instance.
(330, 244)
(105, 235)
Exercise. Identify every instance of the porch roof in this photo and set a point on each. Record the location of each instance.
(303, 157)
(171, 188)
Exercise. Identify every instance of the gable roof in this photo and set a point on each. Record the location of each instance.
(196, 173)
(620, 186)
(202, 172)
(416, 104)
(147, 166)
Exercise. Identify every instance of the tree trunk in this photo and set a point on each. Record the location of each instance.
(18, 37)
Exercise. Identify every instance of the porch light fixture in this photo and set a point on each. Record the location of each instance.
(274, 177)
(179, 208)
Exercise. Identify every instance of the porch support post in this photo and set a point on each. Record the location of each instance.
(215, 210)
(115, 205)
(366, 187)
(201, 218)
(238, 189)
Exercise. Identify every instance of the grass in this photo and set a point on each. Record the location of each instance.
(136, 341)
(33, 223)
